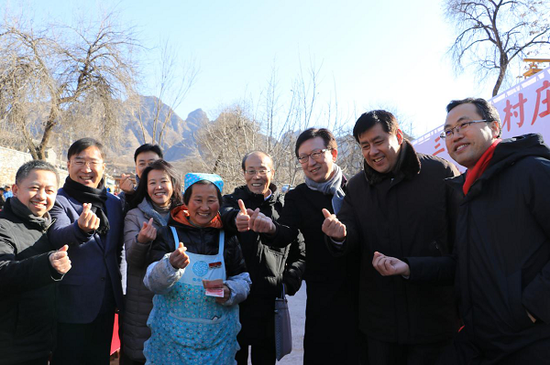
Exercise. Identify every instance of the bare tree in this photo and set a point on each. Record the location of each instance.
(223, 142)
(494, 33)
(59, 78)
(173, 83)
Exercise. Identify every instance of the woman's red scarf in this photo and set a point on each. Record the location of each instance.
(181, 214)
(481, 165)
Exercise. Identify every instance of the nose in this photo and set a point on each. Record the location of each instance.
(311, 161)
(41, 193)
(373, 151)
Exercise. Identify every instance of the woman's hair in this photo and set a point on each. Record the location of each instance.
(141, 191)
(189, 191)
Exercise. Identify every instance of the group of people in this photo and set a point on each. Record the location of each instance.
(408, 261)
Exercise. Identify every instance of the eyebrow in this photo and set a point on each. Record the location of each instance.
(458, 121)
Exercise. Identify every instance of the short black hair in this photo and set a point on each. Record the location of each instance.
(189, 191)
(243, 164)
(484, 108)
(325, 134)
(141, 191)
(368, 120)
(146, 148)
(25, 170)
(83, 144)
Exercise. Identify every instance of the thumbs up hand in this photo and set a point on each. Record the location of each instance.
(60, 260)
(332, 227)
(147, 233)
(88, 221)
(242, 219)
(179, 259)
(260, 223)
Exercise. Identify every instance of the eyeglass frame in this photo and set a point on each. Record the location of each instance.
(261, 172)
(312, 155)
(457, 128)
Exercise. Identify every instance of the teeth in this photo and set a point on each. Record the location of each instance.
(378, 159)
(257, 185)
(460, 147)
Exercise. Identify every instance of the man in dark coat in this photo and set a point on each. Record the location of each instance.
(270, 268)
(331, 333)
(29, 267)
(502, 255)
(400, 204)
(90, 221)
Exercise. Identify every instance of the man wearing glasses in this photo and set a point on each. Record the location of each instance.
(501, 263)
(331, 333)
(399, 203)
(270, 268)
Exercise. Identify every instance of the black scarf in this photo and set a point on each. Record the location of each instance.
(97, 197)
(23, 212)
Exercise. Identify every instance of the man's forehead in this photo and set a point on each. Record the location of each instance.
(462, 112)
(258, 159)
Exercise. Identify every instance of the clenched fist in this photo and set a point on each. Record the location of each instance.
(60, 260)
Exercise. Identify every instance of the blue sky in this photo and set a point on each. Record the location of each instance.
(371, 54)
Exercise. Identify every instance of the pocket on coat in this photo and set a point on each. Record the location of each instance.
(518, 311)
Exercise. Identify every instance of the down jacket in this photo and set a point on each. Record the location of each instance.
(139, 299)
(27, 284)
(503, 252)
(269, 267)
(408, 212)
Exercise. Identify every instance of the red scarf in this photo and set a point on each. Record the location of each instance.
(181, 215)
(481, 165)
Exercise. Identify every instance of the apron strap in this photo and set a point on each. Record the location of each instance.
(176, 239)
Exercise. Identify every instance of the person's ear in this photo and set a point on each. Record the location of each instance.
(399, 135)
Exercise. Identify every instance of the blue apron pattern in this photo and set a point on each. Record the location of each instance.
(187, 327)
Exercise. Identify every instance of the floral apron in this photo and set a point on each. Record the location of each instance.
(187, 327)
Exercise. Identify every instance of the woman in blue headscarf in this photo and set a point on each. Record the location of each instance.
(189, 324)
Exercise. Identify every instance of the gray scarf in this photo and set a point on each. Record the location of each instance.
(331, 187)
(147, 208)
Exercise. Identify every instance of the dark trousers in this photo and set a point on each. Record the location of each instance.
(388, 353)
(463, 351)
(261, 354)
(88, 343)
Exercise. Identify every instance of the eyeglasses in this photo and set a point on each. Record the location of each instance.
(259, 172)
(457, 128)
(316, 155)
(82, 163)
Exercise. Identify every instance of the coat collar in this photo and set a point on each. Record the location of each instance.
(407, 166)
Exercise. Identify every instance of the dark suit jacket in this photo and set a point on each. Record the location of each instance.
(94, 276)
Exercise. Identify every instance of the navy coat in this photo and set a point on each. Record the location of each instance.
(95, 259)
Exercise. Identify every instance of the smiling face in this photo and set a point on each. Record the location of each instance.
(258, 183)
(203, 204)
(380, 149)
(317, 170)
(159, 187)
(37, 191)
(468, 145)
(87, 167)
(143, 160)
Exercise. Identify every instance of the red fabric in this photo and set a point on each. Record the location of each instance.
(481, 165)
(181, 215)
(115, 342)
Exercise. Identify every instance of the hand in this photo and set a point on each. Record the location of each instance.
(260, 223)
(242, 219)
(88, 221)
(226, 295)
(332, 227)
(388, 266)
(127, 183)
(147, 233)
(179, 259)
(60, 260)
